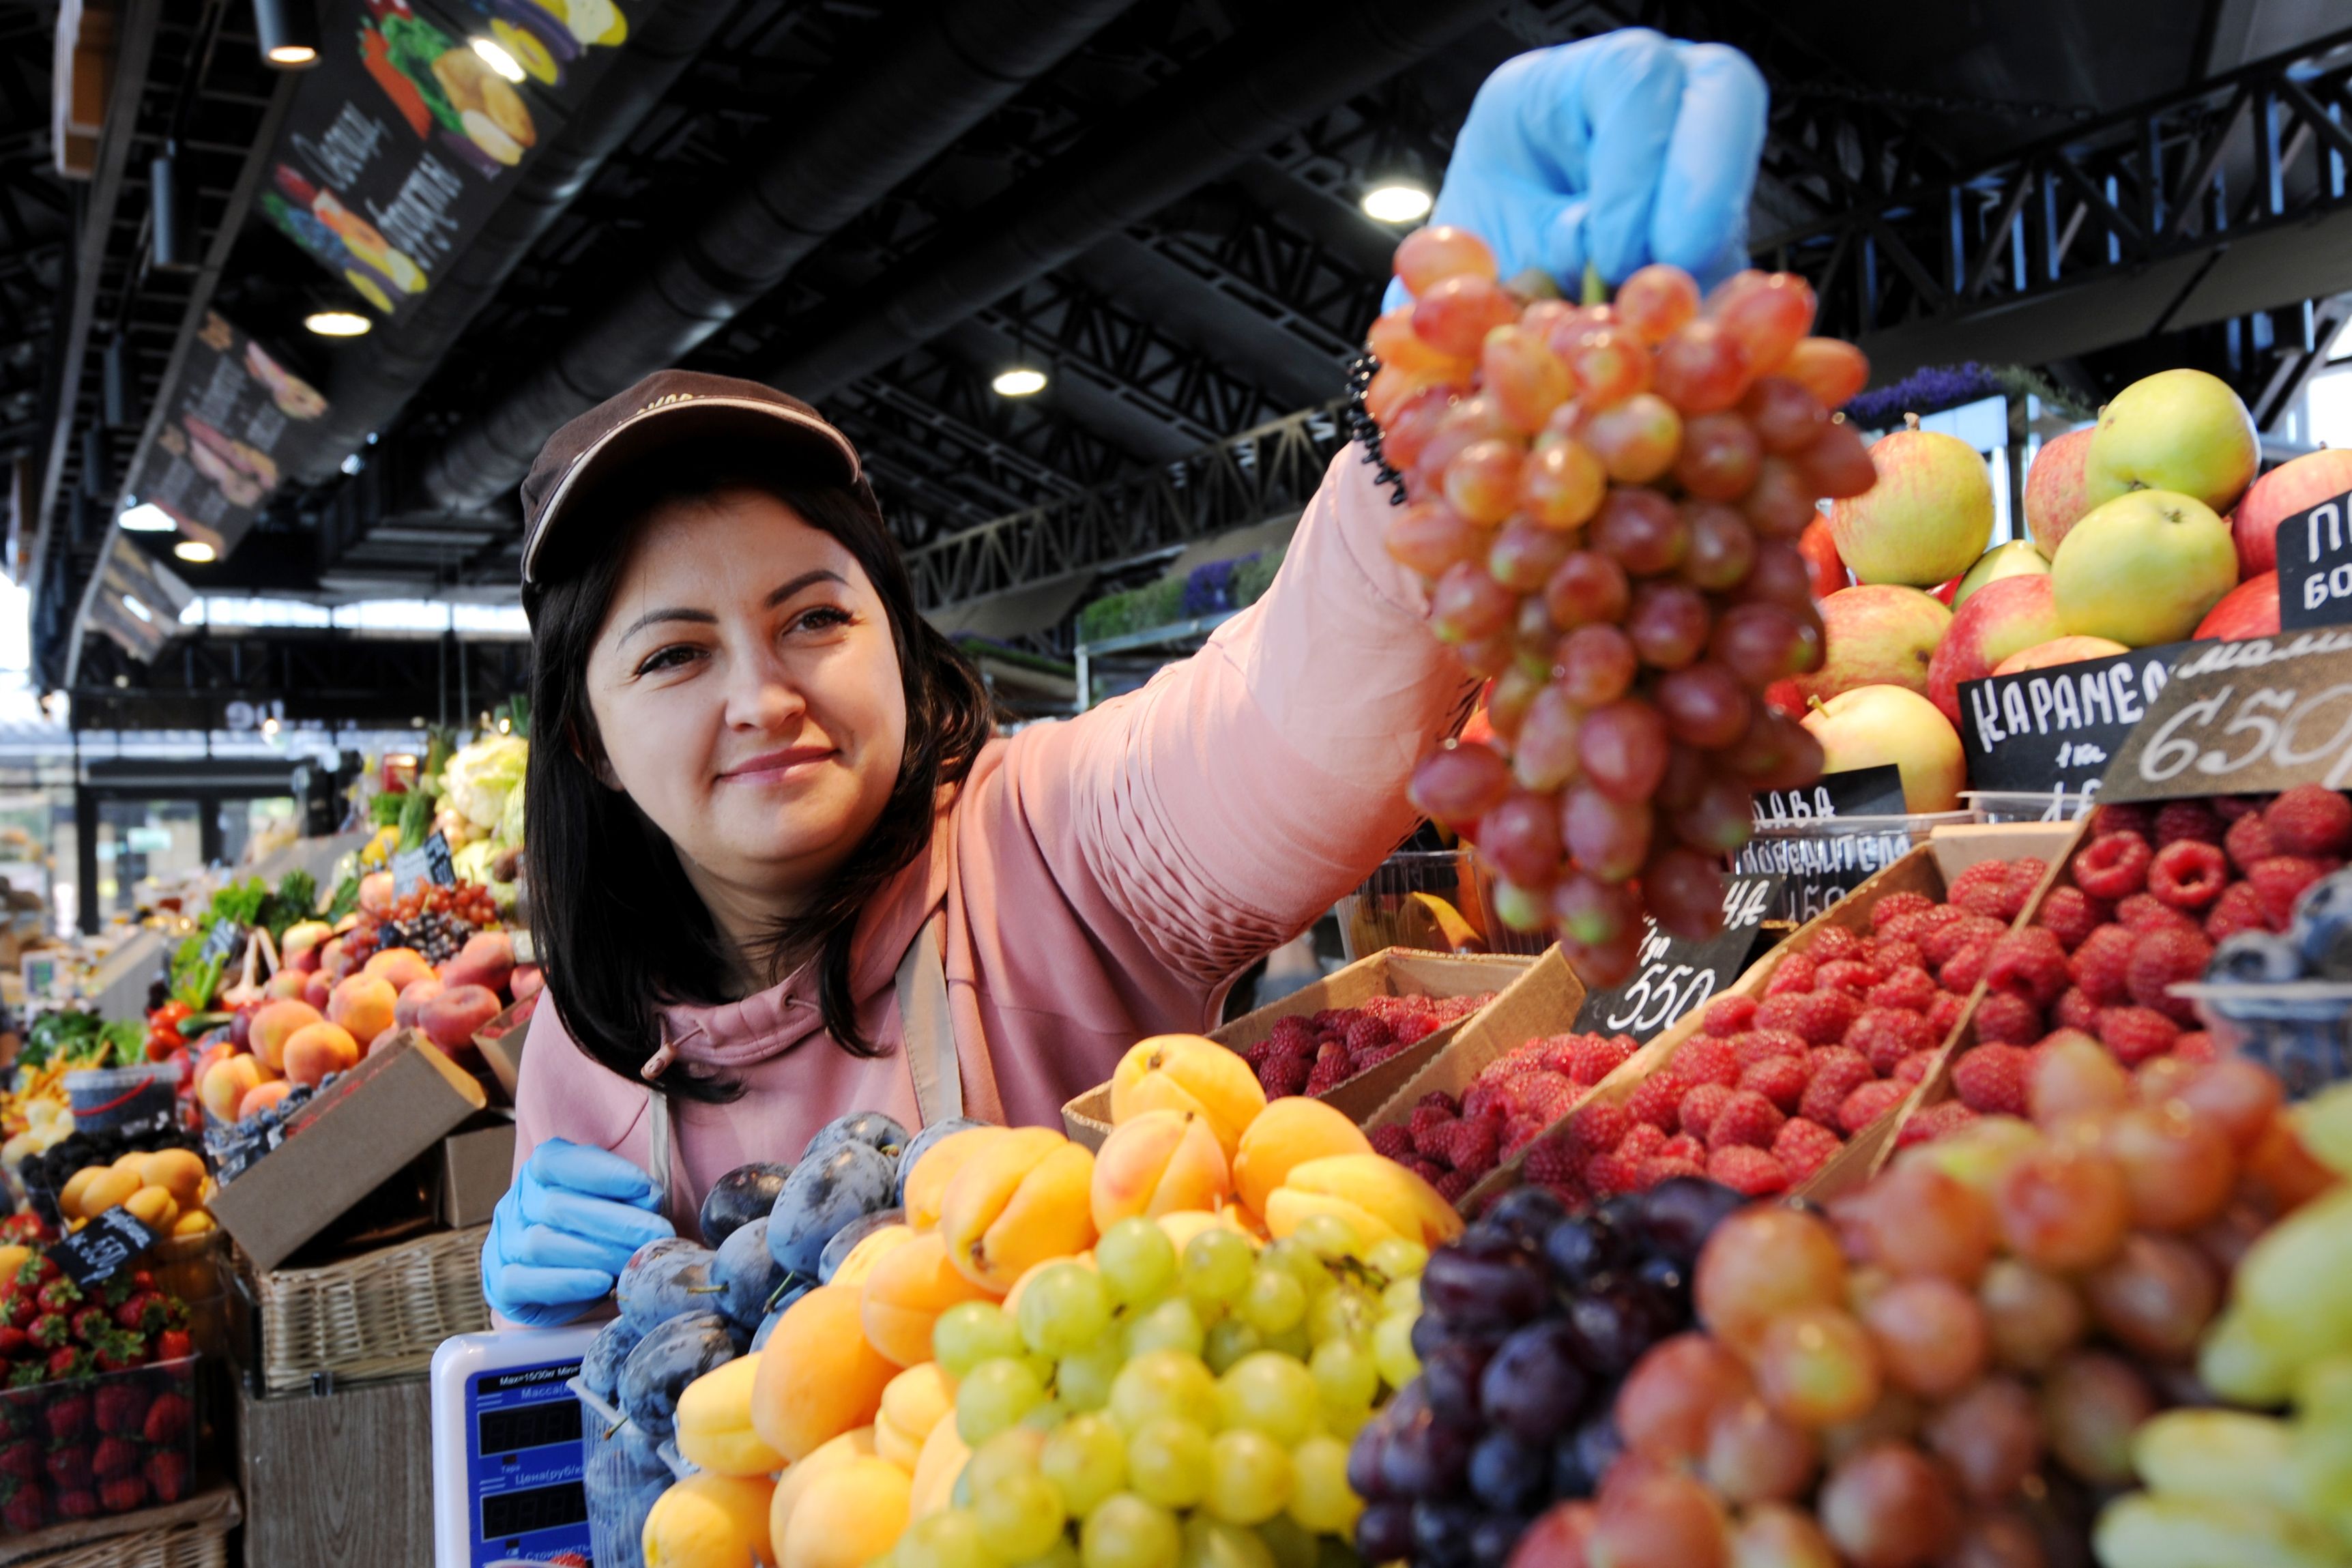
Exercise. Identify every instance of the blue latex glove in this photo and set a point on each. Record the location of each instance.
(1622, 150)
(562, 1235)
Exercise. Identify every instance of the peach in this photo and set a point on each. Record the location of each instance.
(319, 988)
(335, 961)
(400, 967)
(1291, 1131)
(286, 985)
(227, 1083)
(452, 1017)
(275, 1024)
(206, 1058)
(307, 961)
(412, 997)
(261, 1096)
(363, 1005)
(904, 1294)
(1155, 1164)
(318, 1050)
(818, 1377)
(487, 959)
(384, 1039)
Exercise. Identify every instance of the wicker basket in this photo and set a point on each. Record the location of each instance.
(189, 1535)
(378, 1315)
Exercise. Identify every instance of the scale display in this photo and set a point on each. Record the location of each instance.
(509, 1455)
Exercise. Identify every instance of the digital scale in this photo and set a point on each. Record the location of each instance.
(509, 1455)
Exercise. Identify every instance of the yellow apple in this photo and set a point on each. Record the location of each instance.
(1873, 725)
(1925, 520)
(2018, 558)
(2142, 569)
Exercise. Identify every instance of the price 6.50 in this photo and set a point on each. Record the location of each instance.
(2268, 728)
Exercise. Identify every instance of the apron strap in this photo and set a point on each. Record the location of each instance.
(659, 1136)
(928, 1030)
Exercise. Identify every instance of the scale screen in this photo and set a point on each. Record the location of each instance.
(526, 1466)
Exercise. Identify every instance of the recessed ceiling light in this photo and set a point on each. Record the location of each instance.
(1397, 201)
(195, 550)
(494, 55)
(1018, 382)
(148, 518)
(337, 323)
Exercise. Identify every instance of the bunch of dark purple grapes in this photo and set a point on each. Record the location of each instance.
(1528, 1324)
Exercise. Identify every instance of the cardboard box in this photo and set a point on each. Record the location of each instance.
(501, 1040)
(401, 1100)
(1392, 971)
(476, 1167)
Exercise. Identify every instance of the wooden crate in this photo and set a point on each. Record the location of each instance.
(344, 1479)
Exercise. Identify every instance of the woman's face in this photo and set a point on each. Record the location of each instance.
(747, 694)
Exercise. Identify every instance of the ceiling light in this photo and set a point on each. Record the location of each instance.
(338, 323)
(287, 32)
(1018, 382)
(148, 518)
(495, 55)
(195, 550)
(1398, 201)
(136, 608)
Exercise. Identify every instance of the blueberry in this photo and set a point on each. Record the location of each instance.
(600, 1369)
(847, 1238)
(747, 1273)
(665, 1278)
(867, 1127)
(666, 1360)
(741, 1196)
(2323, 926)
(822, 1195)
(2254, 957)
(920, 1145)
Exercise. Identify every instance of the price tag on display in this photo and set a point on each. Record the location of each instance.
(1676, 977)
(225, 939)
(2057, 729)
(2314, 565)
(1858, 792)
(93, 1253)
(1805, 837)
(428, 862)
(2244, 717)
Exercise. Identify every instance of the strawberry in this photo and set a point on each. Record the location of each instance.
(68, 1362)
(122, 1494)
(14, 1343)
(38, 1270)
(167, 1472)
(24, 1512)
(59, 1295)
(26, 1374)
(88, 1323)
(22, 1459)
(77, 1503)
(49, 1331)
(120, 1407)
(166, 1418)
(19, 1309)
(174, 1344)
(140, 1280)
(119, 1351)
(113, 1456)
(69, 1464)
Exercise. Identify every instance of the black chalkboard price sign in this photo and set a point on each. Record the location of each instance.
(1675, 976)
(2239, 718)
(428, 862)
(93, 1253)
(2314, 565)
(2057, 729)
(1826, 840)
(1858, 792)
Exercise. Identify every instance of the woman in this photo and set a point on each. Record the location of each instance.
(783, 868)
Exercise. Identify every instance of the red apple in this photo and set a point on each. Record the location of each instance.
(2059, 651)
(2054, 500)
(2006, 616)
(1876, 634)
(1818, 545)
(2286, 490)
(2248, 610)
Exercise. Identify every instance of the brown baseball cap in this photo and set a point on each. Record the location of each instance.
(664, 409)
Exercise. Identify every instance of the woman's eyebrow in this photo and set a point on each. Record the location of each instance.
(822, 574)
(651, 617)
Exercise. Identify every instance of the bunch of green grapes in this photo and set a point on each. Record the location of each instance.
(1166, 1409)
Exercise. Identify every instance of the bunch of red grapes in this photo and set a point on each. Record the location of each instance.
(1603, 500)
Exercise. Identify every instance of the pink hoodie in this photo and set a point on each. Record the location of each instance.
(1103, 878)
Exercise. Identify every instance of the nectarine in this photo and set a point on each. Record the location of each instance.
(400, 966)
(412, 997)
(452, 1017)
(275, 1024)
(318, 1050)
(363, 1005)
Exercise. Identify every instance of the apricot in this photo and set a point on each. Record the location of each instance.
(1156, 1162)
(276, 1023)
(937, 1468)
(182, 1170)
(363, 1004)
(709, 1521)
(847, 1517)
(154, 1207)
(903, 1296)
(69, 1195)
(851, 1271)
(399, 967)
(1023, 1198)
(412, 997)
(452, 1017)
(917, 1400)
(109, 1189)
(857, 1443)
(1289, 1132)
(194, 1222)
(1188, 1072)
(318, 1050)
(262, 1095)
(228, 1081)
(818, 1377)
(714, 1423)
(929, 1179)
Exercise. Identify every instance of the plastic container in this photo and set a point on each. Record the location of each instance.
(2026, 805)
(138, 1425)
(625, 1474)
(2300, 1030)
(109, 1097)
(1394, 908)
(1826, 857)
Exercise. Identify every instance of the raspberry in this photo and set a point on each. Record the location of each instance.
(1699, 1108)
(1991, 1078)
(2114, 867)
(2194, 1046)
(2109, 819)
(1597, 1125)
(2280, 880)
(1933, 1123)
(1822, 1018)
(1869, 1102)
(1430, 1142)
(2030, 963)
(1482, 1098)
(1657, 1099)
(1682, 1146)
(1781, 1079)
(1641, 1141)
(1543, 1096)
(1804, 1146)
(2239, 907)
(1910, 989)
(2136, 1034)
(1426, 1117)
(1938, 945)
(1792, 975)
(1658, 1168)
(2159, 958)
(1914, 1069)
(1763, 1045)
(2248, 840)
(1518, 1134)
(1884, 1035)
(1706, 1061)
(1748, 1171)
(2231, 807)
(1393, 1140)
(1610, 1174)
(2025, 874)
(1728, 1016)
(1895, 955)
(1837, 1072)
(1451, 1185)
(2061, 1036)
(2310, 820)
(2146, 911)
(1981, 889)
(1746, 1117)
(1293, 1030)
(2003, 1016)
(2188, 873)
(1850, 976)
(1368, 1034)
(1438, 1098)
(2075, 1010)
(1553, 1161)
(2186, 822)
(1471, 1146)
(1331, 1069)
(1964, 969)
(2071, 914)
(1429, 1171)
(1895, 905)
(2098, 965)
(1284, 1075)
(1833, 944)
(1597, 1056)
(1944, 1012)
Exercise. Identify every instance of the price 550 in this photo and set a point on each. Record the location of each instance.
(2219, 735)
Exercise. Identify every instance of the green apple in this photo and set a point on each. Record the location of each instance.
(1928, 516)
(2018, 558)
(2144, 568)
(1872, 725)
(2178, 430)
(1879, 634)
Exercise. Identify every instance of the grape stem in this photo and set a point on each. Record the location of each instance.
(1596, 287)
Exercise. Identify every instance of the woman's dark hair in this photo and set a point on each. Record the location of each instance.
(619, 929)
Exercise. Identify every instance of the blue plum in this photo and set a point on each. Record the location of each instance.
(870, 1128)
(747, 1273)
(739, 1197)
(921, 1145)
(600, 1369)
(824, 1193)
(664, 1278)
(849, 1236)
(669, 1358)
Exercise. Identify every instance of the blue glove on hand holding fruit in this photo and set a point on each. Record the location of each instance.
(1619, 151)
(564, 1231)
